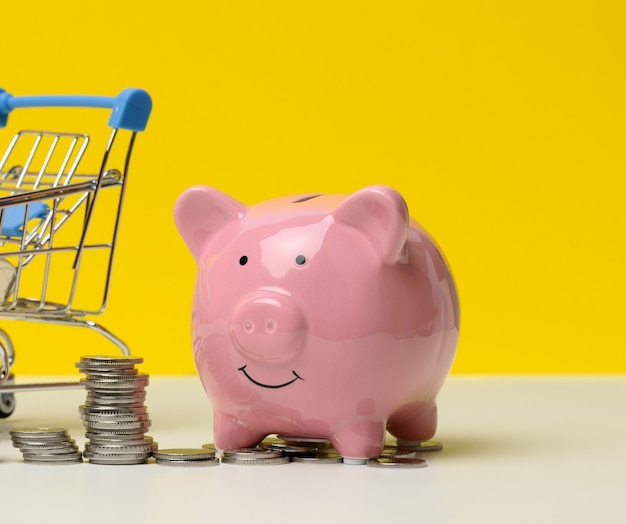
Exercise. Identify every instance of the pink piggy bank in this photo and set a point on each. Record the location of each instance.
(325, 316)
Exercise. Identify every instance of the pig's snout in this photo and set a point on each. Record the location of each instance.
(268, 327)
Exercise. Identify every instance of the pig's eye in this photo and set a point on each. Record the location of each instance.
(243, 260)
(300, 260)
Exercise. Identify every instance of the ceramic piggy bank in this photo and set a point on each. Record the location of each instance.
(325, 316)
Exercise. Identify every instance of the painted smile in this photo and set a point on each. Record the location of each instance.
(271, 386)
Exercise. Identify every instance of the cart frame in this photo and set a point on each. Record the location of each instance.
(37, 198)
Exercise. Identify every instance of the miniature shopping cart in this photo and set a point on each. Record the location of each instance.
(60, 208)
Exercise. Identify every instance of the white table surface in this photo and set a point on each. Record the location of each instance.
(516, 449)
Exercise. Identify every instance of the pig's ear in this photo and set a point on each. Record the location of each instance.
(382, 214)
(201, 211)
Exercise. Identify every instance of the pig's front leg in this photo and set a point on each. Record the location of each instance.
(359, 440)
(229, 432)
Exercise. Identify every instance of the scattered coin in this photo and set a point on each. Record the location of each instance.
(251, 453)
(254, 457)
(188, 463)
(184, 454)
(322, 458)
(396, 462)
(186, 457)
(257, 461)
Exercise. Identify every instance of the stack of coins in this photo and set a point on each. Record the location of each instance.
(186, 457)
(254, 457)
(46, 445)
(114, 414)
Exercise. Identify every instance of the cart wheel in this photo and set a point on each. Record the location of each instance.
(7, 400)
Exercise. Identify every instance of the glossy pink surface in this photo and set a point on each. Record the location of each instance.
(318, 315)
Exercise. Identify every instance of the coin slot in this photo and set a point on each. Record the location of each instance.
(304, 199)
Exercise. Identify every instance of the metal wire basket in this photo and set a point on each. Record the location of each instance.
(58, 224)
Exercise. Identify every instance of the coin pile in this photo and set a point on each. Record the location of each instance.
(304, 449)
(114, 414)
(46, 445)
(186, 457)
(320, 451)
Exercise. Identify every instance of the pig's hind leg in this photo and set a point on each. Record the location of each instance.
(414, 422)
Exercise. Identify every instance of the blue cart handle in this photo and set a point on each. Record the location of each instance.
(130, 109)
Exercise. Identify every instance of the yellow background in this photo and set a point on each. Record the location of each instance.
(501, 122)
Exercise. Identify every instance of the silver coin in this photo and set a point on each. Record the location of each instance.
(114, 402)
(139, 378)
(118, 426)
(38, 433)
(117, 461)
(115, 418)
(396, 462)
(114, 385)
(184, 454)
(49, 450)
(114, 435)
(116, 448)
(106, 411)
(43, 447)
(328, 458)
(241, 454)
(123, 368)
(111, 360)
(115, 390)
(52, 457)
(117, 455)
(112, 395)
(118, 440)
(55, 462)
(18, 442)
(257, 461)
(103, 372)
(188, 463)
